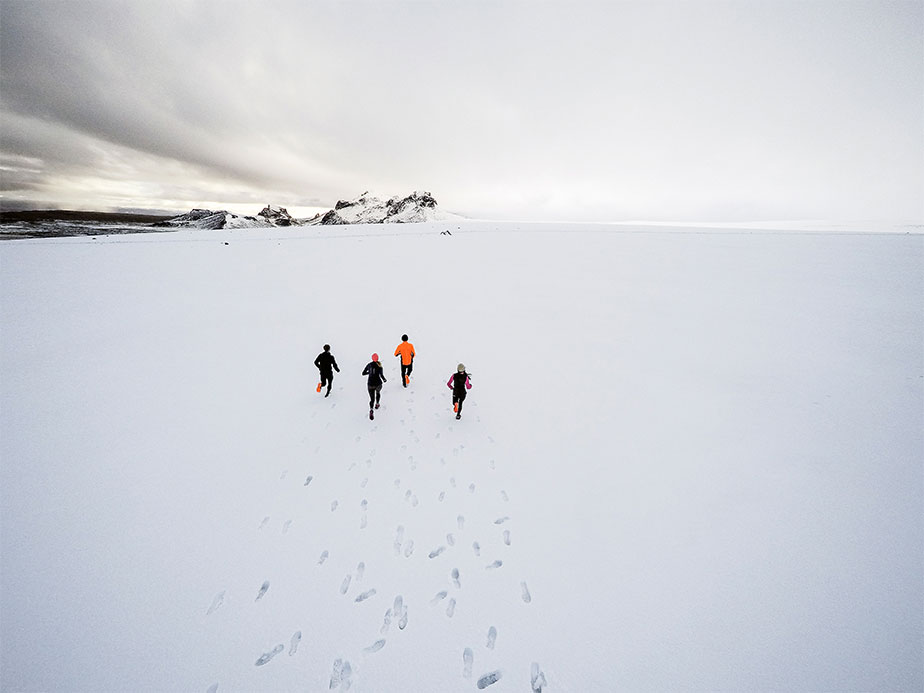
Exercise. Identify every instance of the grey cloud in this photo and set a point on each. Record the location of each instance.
(626, 108)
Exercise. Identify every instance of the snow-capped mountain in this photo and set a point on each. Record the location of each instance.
(277, 216)
(208, 219)
(419, 206)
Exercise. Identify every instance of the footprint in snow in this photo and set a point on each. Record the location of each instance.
(507, 537)
(477, 548)
(285, 527)
(346, 675)
(492, 465)
(399, 537)
(409, 549)
(397, 483)
(414, 501)
(308, 480)
(501, 520)
(455, 452)
(267, 656)
(358, 438)
(333, 505)
(345, 585)
(461, 521)
(450, 539)
(504, 496)
(468, 658)
(265, 522)
(364, 482)
(365, 595)
(490, 439)
(387, 622)
(442, 496)
(494, 565)
(353, 466)
(213, 688)
(282, 476)
(455, 578)
(471, 488)
(336, 673)
(489, 679)
(296, 639)
(537, 678)
(407, 495)
(372, 452)
(369, 461)
(324, 555)
(452, 481)
(263, 588)
(376, 646)
(399, 610)
(403, 447)
(492, 637)
(360, 571)
(451, 609)
(439, 596)
(525, 593)
(216, 602)
(437, 551)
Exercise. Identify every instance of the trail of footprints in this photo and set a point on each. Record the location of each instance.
(342, 671)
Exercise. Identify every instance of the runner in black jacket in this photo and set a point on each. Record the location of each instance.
(459, 382)
(376, 377)
(327, 364)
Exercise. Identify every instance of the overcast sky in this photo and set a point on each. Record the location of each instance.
(695, 110)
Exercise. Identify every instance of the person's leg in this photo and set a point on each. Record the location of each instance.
(330, 382)
(378, 395)
(371, 397)
(459, 410)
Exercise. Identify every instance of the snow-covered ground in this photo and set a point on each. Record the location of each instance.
(690, 460)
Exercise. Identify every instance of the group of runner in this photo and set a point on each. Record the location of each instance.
(459, 382)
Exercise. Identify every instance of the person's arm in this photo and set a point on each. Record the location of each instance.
(468, 383)
(366, 370)
(317, 362)
(382, 374)
(334, 361)
(449, 382)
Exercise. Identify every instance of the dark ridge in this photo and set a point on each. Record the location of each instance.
(72, 215)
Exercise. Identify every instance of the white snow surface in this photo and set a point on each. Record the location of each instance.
(689, 460)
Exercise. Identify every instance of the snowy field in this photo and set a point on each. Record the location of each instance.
(690, 460)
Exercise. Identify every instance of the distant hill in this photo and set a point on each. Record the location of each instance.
(73, 215)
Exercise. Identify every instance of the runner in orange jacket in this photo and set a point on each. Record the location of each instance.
(406, 351)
